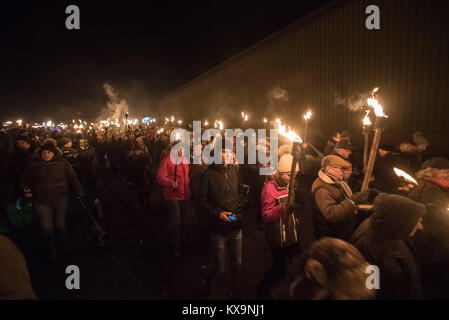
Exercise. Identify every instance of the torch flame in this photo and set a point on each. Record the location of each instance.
(366, 120)
(377, 107)
(290, 135)
(246, 117)
(372, 102)
(265, 120)
(405, 175)
(206, 123)
(308, 115)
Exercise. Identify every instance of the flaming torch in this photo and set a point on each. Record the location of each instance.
(366, 131)
(306, 117)
(408, 179)
(296, 153)
(378, 127)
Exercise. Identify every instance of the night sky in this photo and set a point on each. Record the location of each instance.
(142, 49)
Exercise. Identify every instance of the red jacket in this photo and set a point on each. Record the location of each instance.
(270, 211)
(165, 176)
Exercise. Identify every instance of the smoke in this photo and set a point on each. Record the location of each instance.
(354, 103)
(277, 93)
(116, 107)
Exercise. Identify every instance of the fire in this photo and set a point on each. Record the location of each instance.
(308, 115)
(246, 117)
(366, 120)
(172, 118)
(290, 135)
(265, 120)
(405, 175)
(372, 102)
(206, 123)
(219, 124)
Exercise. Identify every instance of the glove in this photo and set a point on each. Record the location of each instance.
(373, 193)
(360, 197)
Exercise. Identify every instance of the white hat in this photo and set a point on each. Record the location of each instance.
(285, 164)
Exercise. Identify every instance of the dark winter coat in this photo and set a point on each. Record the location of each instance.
(50, 180)
(432, 242)
(17, 163)
(384, 241)
(385, 178)
(221, 190)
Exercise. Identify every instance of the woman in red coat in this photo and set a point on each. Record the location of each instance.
(176, 193)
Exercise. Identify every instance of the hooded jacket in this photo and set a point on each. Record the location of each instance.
(166, 175)
(50, 180)
(221, 190)
(432, 243)
(333, 213)
(384, 241)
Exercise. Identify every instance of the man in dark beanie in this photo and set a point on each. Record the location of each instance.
(46, 181)
(433, 243)
(384, 177)
(412, 153)
(384, 240)
(68, 152)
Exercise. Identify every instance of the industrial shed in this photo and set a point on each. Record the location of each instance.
(328, 61)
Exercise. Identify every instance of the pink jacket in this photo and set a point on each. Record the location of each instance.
(270, 211)
(165, 176)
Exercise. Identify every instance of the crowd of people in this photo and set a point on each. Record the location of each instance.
(321, 241)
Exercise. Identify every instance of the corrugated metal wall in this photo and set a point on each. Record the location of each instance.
(325, 60)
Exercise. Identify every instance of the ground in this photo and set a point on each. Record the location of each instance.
(136, 264)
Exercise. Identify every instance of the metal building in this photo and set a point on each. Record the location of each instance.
(327, 61)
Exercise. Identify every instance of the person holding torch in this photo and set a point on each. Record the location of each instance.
(175, 185)
(281, 230)
(334, 202)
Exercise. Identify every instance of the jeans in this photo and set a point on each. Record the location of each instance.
(52, 219)
(221, 245)
(180, 212)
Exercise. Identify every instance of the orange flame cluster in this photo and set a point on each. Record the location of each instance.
(290, 135)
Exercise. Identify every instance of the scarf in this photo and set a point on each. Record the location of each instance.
(278, 182)
(326, 177)
(443, 183)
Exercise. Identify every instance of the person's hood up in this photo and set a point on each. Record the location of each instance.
(396, 216)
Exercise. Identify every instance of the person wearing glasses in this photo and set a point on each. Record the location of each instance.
(335, 205)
